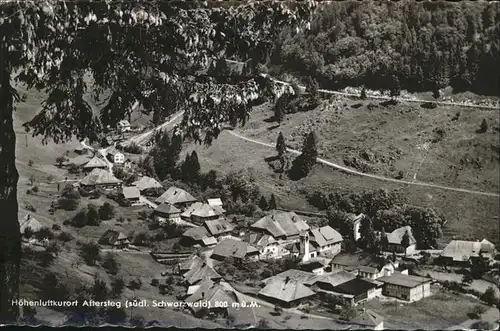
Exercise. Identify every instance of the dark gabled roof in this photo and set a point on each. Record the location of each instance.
(167, 209)
(259, 239)
(362, 261)
(367, 318)
(96, 162)
(404, 280)
(280, 223)
(301, 276)
(286, 290)
(197, 233)
(334, 279)
(175, 195)
(234, 248)
(355, 286)
(109, 237)
(461, 250)
(219, 226)
(29, 222)
(200, 272)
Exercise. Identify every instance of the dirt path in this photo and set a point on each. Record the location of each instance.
(355, 172)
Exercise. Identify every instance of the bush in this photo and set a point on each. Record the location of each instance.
(35, 189)
(67, 204)
(135, 284)
(90, 253)
(110, 264)
(93, 216)
(44, 233)
(133, 148)
(56, 227)
(489, 296)
(65, 237)
(117, 287)
(347, 313)
(106, 211)
(155, 282)
(30, 163)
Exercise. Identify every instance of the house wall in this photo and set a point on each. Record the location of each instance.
(119, 158)
(405, 293)
(401, 250)
(380, 326)
(332, 248)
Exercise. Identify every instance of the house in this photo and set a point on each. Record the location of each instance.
(146, 183)
(285, 291)
(198, 236)
(304, 277)
(406, 287)
(177, 197)
(200, 272)
(359, 290)
(269, 248)
(132, 194)
(29, 222)
(200, 212)
(330, 281)
(95, 163)
(367, 319)
(124, 126)
(211, 295)
(115, 156)
(114, 238)
(487, 249)
(165, 213)
(395, 239)
(244, 316)
(326, 240)
(101, 178)
(216, 204)
(460, 252)
(364, 265)
(316, 265)
(237, 249)
(219, 228)
(188, 264)
(281, 225)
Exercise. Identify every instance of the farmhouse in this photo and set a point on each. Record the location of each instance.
(188, 264)
(363, 264)
(177, 197)
(281, 225)
(101, 178)
(79, 160)
(200, 212)
(237, 249)
(81, 150)
(395, 239)
(285, 291)
(124, 126)
(326, 240)
(219, 227)
(95, 163)
(165, 213)
(330, 281)
(114, 238)
(406, 287)
(460, 252)
(115, 156)
(359, 289)
(199, 272)
(198, 236)
(131, 194)
(268, 247)
(367, 319)
(29, 222)
(213, 294)
(145, 183)
(216, 204)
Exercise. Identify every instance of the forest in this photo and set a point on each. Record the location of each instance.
(417, 46)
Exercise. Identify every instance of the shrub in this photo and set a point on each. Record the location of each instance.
(56, 227)
(44, 233)
(35, 189)
(135, 284)
(489, 296)
(483, 127)
(155, 282)
(106, 211)
(347, 313)
(110, 264)
(90, 253)
(30, 163)
(133, 148)
(93, 215)
(65, 237)
(117, 287)
(67, 204)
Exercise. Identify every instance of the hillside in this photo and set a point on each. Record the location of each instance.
(392, 142)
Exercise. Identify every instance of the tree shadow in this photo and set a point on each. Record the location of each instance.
(270, 119)
(429, 105)
(357, 105)
(271, 128)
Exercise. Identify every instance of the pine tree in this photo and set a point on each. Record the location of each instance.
(263, 203)
(195, 164)
(303, 163)
(367, 235)
(272, 203)
(384, 241)
(279, 111)
(280, 145)
(405, 241)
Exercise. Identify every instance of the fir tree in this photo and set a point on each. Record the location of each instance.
(272, 203)
(405, 241)
(280, 145)
(303, 163)
(263, 203)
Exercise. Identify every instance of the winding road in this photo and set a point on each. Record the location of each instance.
(356, 172)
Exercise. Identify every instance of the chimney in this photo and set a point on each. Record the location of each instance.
(287, 279)
(202, 294)
(29, 216)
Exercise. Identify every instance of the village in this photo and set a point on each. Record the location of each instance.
(222, 269)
